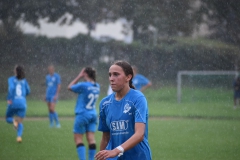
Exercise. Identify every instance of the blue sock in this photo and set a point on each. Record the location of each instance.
(55, 115)
(20, 130)
(51, 118)
(81, 152)
(91, 154)
(9, 120)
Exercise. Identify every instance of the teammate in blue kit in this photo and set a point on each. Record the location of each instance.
(140, 82)
(53, 83)
(123, 118)
(85, 112)
(18, 89)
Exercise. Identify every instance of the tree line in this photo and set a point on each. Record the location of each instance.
(147, 19)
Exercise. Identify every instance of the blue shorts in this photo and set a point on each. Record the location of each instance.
(50, 99)
(12, 111)
(236, 94)
(84, 123)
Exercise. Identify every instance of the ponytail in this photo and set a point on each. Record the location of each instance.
(131, 85)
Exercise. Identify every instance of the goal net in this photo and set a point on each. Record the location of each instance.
(190, 82)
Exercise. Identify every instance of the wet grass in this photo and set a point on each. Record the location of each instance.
(203, 126)
(171, 139)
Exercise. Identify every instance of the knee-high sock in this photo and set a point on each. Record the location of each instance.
(20, 130)
(91, 154)
(91, 151)
(55, 116)
(81, 152)
(51, 118)
(9, 120)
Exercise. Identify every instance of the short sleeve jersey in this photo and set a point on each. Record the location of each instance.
(88, 95)
(119, 118)
(18, 90)
(139, 81)
(52, 82)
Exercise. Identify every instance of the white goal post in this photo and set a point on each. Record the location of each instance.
(180, 73)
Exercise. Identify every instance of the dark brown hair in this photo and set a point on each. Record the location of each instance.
(20, 74)
(127, 69)
(91, 72)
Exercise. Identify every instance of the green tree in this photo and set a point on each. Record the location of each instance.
(169, 18)
(223, 19)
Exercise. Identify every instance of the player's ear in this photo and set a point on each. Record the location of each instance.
(128, 77)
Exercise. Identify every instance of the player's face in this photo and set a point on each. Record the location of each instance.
(118, 79)
(50, 69)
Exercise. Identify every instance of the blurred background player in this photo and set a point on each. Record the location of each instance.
(109, 91)
(140, 82)
(123, 118)
(53, 83)
(18, 89)
(85, 112)
(236, 88)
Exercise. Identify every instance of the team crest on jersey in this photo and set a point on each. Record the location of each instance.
(127, 108)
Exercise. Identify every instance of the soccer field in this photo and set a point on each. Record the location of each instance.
(170, 139)
(199, 128)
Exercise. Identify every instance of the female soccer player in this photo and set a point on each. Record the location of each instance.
(123, 118)
(18, 89)
(53, 83)
(85, 112)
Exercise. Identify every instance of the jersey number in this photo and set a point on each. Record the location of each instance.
(92, 98)
(19, 90)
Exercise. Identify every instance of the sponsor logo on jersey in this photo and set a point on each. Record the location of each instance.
(94, 89)
(127, 108)
(121, 125)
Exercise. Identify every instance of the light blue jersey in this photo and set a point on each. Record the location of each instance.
(88, 95)
(52, 82)
(119, 118)
(85, 110)
(17, 92)
(139, 81)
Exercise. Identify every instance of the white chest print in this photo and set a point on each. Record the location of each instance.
(121, 125)
(127, 108)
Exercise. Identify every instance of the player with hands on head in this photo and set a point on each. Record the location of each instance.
(85, 112)
(123, 118)
(18, 89)
(53, 83)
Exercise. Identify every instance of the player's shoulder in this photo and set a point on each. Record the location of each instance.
(56, 74)
(135, 93)
(107, 100)
(11, 78)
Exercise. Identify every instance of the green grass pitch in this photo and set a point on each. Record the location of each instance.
(203, 126)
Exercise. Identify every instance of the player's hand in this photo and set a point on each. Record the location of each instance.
(104, 154)
(9, 102)
(55, 97)
(81, 73)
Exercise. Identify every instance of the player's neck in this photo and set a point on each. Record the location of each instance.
(120, 94)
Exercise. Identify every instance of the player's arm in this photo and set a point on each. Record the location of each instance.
(104, 141)
(136, 138)
(75, 80)
(58, 90)
(149, 84)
